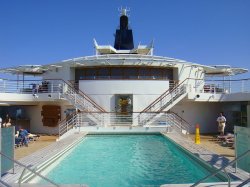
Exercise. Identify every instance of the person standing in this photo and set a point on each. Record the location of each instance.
(221, 123)
(1, 120)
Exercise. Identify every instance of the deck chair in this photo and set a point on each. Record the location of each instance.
(225, 137)
(33, 137)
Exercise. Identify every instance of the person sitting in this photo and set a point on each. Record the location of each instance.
(23, 134)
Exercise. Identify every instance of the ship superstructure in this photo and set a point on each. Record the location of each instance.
(123, 85)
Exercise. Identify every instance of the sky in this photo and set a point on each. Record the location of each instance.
(209, 32)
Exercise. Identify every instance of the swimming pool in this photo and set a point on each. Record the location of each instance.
(127, 160)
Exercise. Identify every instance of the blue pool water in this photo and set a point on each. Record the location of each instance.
(127, 160)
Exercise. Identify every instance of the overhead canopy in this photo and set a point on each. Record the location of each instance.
(28, 69)
(223, 70)
(123, 60)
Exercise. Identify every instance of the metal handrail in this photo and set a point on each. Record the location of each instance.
(67, 124)
(244, 183)
(181, 120)
(178, 124)
(167, 92)
(216, 85)
(222, 168)
(31, 170)
(85, 96)
(164, 101)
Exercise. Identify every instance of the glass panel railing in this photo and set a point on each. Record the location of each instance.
(7, 147)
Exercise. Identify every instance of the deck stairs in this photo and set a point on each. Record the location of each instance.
(170, 120)
(83, 103)
(66, 125)
(163, 103)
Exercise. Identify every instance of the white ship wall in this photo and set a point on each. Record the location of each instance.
(202, 113)
(103, 91)
(193, 72)
(65, 72)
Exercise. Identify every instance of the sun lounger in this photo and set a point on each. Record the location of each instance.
(225, 137)
(33, 137)
(229, 142)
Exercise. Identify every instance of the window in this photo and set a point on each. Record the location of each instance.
(131, 73)
(103, 73)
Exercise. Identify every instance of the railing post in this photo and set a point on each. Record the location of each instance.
(242, 86)
(235, 152)
(21, 177)
(196, 85)
(4, 85)
(229, 85)
(78, 122)
(228, 177)
(52, 86)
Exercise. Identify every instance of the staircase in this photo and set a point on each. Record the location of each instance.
(178, 123)
(163, 103)
(83, 103)
(67, 124)
(170, 120)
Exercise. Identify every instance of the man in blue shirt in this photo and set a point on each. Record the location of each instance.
(24, 135)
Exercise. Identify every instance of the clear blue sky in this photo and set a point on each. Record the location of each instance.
(207, 32)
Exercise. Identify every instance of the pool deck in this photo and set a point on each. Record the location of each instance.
(41, 156)
(37, 158)
(208, 156)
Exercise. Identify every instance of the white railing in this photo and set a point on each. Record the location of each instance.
(33, 171)
(120, 119)
(83, 103)
(178, 123)
(224, 169)
(77, 98)
(82, 119)
(165, 101)
(29, 86)
(67, 124)
(106, 119)
(227, 86)
(80, 101)
(169, 119)
(52, 86)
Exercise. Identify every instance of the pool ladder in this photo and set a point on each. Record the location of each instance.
(224, 169)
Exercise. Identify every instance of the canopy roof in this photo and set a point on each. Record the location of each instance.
(123, 60)
(27, 69)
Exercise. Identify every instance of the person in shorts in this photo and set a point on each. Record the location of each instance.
(221, 123)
